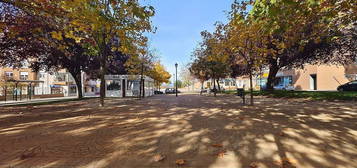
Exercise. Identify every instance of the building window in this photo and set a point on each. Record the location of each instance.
(24, 75)
(72, 89)
(61, 77)
(113, 85)
(9, 75)
(129, 85)
(288, 80)
(42, 75)
(226, 82)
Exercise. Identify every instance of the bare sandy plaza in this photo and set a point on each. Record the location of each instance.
(188, 131)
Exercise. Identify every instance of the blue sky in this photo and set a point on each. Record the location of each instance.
(179, 23)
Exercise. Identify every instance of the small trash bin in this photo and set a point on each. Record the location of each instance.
(240, 93)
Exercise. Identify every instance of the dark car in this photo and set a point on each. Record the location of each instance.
(158, 92)
(171, 91)
(350, 86)
(204, 91)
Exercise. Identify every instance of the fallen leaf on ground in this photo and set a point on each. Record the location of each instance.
(180, 162)
(217, 145)
(253, 165)
(286, 163)
(159, 157)
(221, 153)
(29, 153)
(282, 133)
(241, 118)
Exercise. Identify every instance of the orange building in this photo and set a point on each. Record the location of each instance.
(318, 77)
(17, 74)
(23, 83)
(310, 78)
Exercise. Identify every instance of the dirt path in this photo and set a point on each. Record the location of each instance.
(206, 132)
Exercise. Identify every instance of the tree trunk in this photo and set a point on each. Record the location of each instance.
(219, 86)
(201, 88)
(103, 71)
(141, 80)
(251, 88)
(78, 79)
(214, 88)
(273, 70)
(102, 86)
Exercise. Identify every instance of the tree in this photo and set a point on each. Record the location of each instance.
(113, 25)
(245, 43)
(108, 25)
(210, 59)
(141, 65)
(214, 51)
(159, 74)
(199, 70)
(27, 38)
(312, 34)
(186, 76)
(179, 84)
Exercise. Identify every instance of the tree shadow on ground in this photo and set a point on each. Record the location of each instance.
(205, 131)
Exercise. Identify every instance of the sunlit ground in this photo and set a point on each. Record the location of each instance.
(205, 132)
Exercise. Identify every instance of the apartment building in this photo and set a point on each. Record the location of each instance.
(23, 83)
(7, 73)
(17, 82)
(317, 77)
(310, 78)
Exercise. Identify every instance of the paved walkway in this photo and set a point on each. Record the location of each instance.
(205, 132)
(22, 102)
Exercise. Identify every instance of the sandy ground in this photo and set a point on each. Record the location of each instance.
(205, 132)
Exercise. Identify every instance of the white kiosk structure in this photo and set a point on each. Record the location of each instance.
(128, 86)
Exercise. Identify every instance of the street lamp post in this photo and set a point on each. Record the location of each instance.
(176, 78)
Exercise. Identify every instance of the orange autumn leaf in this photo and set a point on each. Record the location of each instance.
(221, 153)
(253, 165)
(180, 162)
(159, 157)
(282, 133)
(286, 163)
(217, 145)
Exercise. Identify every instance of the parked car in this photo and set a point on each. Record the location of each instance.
(158, 92)
(171, 91)
(284, 87)
(204, 91)
(350, 86)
